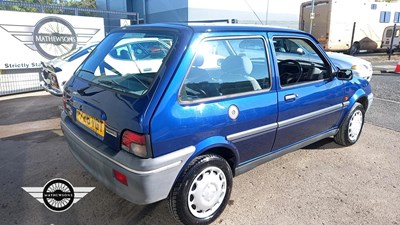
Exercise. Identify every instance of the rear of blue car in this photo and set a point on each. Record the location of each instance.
(105, 118)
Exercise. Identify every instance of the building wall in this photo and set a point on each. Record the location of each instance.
(156, 11)
(166, 11)
(112, 21)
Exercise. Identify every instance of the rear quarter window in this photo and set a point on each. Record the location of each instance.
(227, 66)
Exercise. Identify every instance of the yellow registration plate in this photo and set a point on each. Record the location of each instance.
(92, 123)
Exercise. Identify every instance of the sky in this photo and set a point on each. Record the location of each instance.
(283, 13)
(278, 10)
(277, 6)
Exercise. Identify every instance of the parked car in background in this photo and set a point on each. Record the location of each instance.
(202, 104)
(359, 66)
(142, 56)
(57, 71)
(291, 49)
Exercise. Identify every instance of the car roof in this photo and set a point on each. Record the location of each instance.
(207, 27)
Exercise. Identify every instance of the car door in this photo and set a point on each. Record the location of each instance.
(226, 99)
(310, 99)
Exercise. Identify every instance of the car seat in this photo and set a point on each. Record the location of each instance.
(235, 77)
(198, 82)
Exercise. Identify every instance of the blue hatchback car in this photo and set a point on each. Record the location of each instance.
(175, 111)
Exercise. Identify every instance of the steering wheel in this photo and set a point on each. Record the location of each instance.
(290, 76)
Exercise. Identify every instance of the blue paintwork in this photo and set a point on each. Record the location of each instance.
(172, 125)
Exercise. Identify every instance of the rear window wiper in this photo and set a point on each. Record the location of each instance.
(112, 84)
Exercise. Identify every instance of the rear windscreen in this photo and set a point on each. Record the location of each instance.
(127, 61)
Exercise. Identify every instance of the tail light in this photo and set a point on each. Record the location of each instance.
(134, 143)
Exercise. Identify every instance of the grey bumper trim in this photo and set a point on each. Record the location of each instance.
(177, 154)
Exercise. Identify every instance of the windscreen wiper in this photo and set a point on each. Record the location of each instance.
(113, 84)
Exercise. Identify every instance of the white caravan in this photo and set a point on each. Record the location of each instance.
(335, 20)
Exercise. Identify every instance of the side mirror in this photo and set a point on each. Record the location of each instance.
(344, 74)
(300, 51)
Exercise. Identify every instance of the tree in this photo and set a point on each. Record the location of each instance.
(68, 3)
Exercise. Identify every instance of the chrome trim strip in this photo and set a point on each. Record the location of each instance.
(310, 115)
(253, 131)
(183, 151)
(346, 103)
(283, 123)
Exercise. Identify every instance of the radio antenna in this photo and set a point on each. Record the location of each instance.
(253, 12)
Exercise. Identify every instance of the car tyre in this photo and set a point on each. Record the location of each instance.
(350, 130)
(202, 192)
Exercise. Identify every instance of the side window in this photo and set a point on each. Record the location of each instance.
(389, 33)
(225, 67)
(299, 62)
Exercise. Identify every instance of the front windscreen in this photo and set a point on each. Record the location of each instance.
(128, 61)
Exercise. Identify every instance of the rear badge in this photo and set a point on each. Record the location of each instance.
(233, 112)
(111, 131)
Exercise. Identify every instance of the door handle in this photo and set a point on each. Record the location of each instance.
(291, 97)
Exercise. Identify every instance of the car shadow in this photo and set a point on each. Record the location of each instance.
(324, 144)
(156, 213)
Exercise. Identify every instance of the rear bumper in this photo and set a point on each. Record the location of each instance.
(149, 180)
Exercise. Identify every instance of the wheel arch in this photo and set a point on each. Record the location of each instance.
(219, 146)
(228, 154)
(363, 100)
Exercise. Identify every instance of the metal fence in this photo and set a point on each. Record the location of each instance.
(19, 81)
